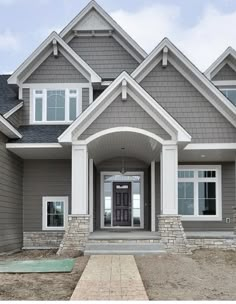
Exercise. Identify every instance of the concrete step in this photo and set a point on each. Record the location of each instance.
(124, 248)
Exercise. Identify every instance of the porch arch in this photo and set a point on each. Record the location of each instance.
(124, 130)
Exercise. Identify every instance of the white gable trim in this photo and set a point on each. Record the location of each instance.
(8, 129)
(193, 75)
(158, 113)
(14, 79)
(110, 21)
(13, 110)
(219, 61)
(211, 146)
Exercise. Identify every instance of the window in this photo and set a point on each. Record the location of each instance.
(199, 192)
(55, 211)
(230, 94)
(55, 106)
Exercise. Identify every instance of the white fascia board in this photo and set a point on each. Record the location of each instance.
(33, 145)
(212, 146)
(93, 5)
(100, 104)
(53, 37)
(11, 131)
(224, 106)
(219, 60)
(13, 110)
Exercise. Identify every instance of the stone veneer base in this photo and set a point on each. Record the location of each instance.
(42, 239)
(221, 244)
(172, 234)
(76, 235)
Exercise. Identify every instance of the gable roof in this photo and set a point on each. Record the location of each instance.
(7, 128)
(33, 60)
(220, 62)
(164, 119)
(9, 95)
(191, 73)
(92, 5)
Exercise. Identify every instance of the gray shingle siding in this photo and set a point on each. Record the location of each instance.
(85, 99)
(178, 97)
(226, 73)
(11, 171)
(26, 107)
(228, 201)
(43, 178)
(56, 70)
(129, 114)
(104, 54)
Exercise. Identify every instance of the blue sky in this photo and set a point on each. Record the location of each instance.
(202, 29)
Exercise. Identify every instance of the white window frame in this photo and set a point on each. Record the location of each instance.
(46, 199)
(54, 87)
(195, 180)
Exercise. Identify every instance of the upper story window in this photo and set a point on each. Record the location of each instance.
(199, 192)
(230, 93)
(56, 105)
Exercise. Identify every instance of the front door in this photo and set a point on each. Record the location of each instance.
(122, 209)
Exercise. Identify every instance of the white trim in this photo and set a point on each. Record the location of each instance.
(13, 110)
(219, 60)
(33, 145)
(195, 180)
(102, 207)
(91, 193)
(153, 196)
(45, 199)
(213, 146)
(15, 77)
(110, 21)
(206, 87)
(224, 83)
(122, 130)
(13, 133)
(143, 99)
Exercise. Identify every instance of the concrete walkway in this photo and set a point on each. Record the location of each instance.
(110, 277)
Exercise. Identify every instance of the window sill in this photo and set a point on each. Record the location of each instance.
(54, 229)
(201, 218)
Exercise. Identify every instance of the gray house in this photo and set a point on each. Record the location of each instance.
(98, 137)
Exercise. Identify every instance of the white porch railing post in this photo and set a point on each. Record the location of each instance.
(91, 193)
(79, 182)
(169, 180)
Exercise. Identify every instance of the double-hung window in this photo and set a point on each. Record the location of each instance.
(199, 193)
(55, 211)
(55, 105)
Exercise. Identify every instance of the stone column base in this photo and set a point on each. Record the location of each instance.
(76, 235)
(172, 234)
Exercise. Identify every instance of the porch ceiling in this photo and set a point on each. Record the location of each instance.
(135, 145)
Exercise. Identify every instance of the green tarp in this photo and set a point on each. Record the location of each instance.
(65, 265)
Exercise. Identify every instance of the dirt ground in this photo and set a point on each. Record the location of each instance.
(205, 275)
(39, 286)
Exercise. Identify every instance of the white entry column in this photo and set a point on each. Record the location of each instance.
(79, 202)
(169, 180)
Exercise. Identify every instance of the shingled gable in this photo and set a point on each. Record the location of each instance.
(124, 84)
(43, 51)
(94, 16)
(166, 52)
(221, 61)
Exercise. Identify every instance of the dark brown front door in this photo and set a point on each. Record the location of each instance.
(122, 204)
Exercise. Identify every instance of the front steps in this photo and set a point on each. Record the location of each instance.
(121, 248)
(121, 243)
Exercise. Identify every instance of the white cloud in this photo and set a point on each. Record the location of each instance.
(202, 43)
(8, 41)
